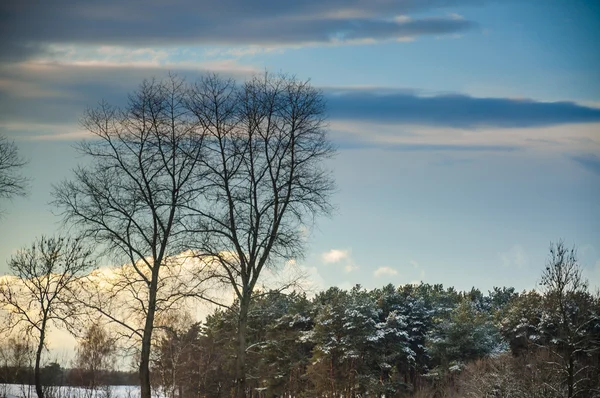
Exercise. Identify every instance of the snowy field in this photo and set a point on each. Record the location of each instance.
(18, 391)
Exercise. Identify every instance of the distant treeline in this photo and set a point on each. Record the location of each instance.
(55, 375)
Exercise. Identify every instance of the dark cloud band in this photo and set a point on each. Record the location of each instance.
(58, 94)
(26, 25)
(460, 111)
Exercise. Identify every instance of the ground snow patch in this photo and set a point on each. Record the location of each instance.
(20, 391)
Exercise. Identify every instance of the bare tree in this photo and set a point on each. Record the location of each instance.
(95, 354)
(571, 318)
(11, 182)
(128, 200)
(16, 355)
(266, 180)
(39, 294)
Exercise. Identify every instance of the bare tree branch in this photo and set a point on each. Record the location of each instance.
(12, 183)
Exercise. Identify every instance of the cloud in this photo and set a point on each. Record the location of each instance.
(53, 95)
(590, 162)
(381, 271)
(515, 257)
(408, 147)
(453, 110)
(46, 100)
(337, 256)
(334, 256)
(28, 27)
(292, 276)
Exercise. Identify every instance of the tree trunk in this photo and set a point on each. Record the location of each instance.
(145, 390)
(240, 364)
(38, 356)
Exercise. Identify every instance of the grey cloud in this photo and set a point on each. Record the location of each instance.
(407, 147)
(58, 94)
(454, 110)
(26, 25)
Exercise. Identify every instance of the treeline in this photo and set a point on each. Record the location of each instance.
(54, 374)
(94, 365)
(411, 340)
(398, 341)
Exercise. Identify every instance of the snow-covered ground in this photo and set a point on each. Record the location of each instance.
(18, 391)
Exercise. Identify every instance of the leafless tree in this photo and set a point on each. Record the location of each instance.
(266, 179)
(16, 356)
(12, 183)
(571, 317)
(128, 200)
(38, 294)
(95, 354)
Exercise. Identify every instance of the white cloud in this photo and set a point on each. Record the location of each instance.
(402, 18)
(293, 276)
(338, 256)
(350, 266)
(335, 256)
(560, 138)
(381, 271)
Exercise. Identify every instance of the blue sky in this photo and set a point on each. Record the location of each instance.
(468, 130)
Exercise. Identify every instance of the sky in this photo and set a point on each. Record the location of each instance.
(468, 131)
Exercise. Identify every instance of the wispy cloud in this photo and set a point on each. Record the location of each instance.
(429, 147)
(576, 138)
(385, 271)
(515, 257)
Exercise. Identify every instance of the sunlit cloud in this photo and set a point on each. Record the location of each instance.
(578, 140)
(335, 255)
(342, 257)
(385, 271)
